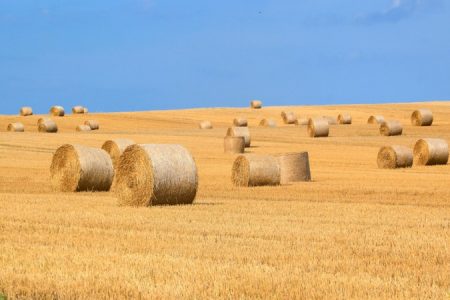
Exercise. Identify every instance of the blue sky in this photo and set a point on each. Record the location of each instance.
(164, 54)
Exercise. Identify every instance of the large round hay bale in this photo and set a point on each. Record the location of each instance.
(331, 120)
(57, 111)
(255, 170)
(80, 168)
(375, 119)
(26, 111)
(240, 122)
(268, 123)
(422, 117)
(93, 124)
(294, 167)
(47, 126)
(78, 109)
(83, 128)
(390, 128)
(234, 144)
(431, 152)
(392, 157)
(289, 117)
(156, 175)
(344, 119)
(205, 125)
(15, 127)
(240, 131)
(318, 127)
(115, 148)
(256, 104)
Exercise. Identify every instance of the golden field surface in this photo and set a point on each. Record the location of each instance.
(355, 231)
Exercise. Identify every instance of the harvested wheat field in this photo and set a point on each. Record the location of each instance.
(355, 231)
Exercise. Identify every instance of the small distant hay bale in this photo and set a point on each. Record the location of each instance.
(240, 131)
(344, 119)
(156, 175)
(331, 120)
(57, 111)
(391, 128)
(47, 125)
(294, 167)
(268, 123)
(93, 124)
(255, 170)
(240, 122)
(255, 104)
(78, 110)
(26, 111)
(422, 117)
(318, 127)
(375, 119)
(15, 127)
(78, 168)
(289, 117)
(431, 152)
(205, 125)
(234, 144)
(392, 157)
(83, 128)
(42, 120)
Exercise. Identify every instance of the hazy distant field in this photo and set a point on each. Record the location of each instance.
(356, 231)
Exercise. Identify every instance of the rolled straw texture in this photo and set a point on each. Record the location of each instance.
(57, 111)
(93, 124)
(240, 131)
(205, 125)
(289, 117)
(318, 127)
(331, 120)
(375, 119)
(294, 167)
(78, 110)
(234, 144)
(115, 148)
(240, 122)
(15, 127)
(268, 123)
(256, 104)
(392, 157)
(390, 128)
(422, 117)
(345, 119)
(431, 152)
(47, 125)
(83, 128)
(42, 120)
(255, 170)
(26, 111)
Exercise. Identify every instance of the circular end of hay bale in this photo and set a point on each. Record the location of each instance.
(255, 104)
(431, 152)
(26, 111)
(83, 128)
(422, 117)
(65, 169)
(234, 144)
(115, 148)
(94, 125)
(392, 157)
(240, 173)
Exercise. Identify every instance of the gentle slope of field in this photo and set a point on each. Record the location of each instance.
(356, 231)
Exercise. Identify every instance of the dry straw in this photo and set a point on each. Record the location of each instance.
(431, 152)
(302, 121)
(390, 128)
(234, 144)
(422, 117)
(256, 104)
(240, 131)
(289, 117)
(79, 110)
(83, 128)
(205, 125)
(42, 120)
(268, 123)
(156, 175)
(47, 125)
(375, 119)
(294, 167)
(15, 127)
(331, 120)
(392, 157)
(93, 124)
(80, 168)
(57, 111)
(345, 119)
(115, 148)
(26, 111)
(318, 127)
(255, 170)
(240, 122)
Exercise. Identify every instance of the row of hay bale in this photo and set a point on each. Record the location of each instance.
(57, 111)
(428, 151)
(48, 125)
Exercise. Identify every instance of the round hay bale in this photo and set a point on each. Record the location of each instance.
(240, 131)
(83, 128)
(344, 119)
(234, 144)
(78, 110)
(15, 127)
(156, 175)
(331, 120)
(318, 127)
(392, 157)
(255, 170)
(85, 110)
(422, 117)
(390, 128)
(205, 125)
(431, 152)
(302, 121)
(268, 123)
(79, 168)
(375, 119)
(26, 111)
(255, 104)
(294, 167)
(94, 125)
(47, 125)
(115, 148)
(42, 120)
(240, 122)
(289, 118)
(57, 111)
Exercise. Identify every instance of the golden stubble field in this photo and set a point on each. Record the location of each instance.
(356, 231)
